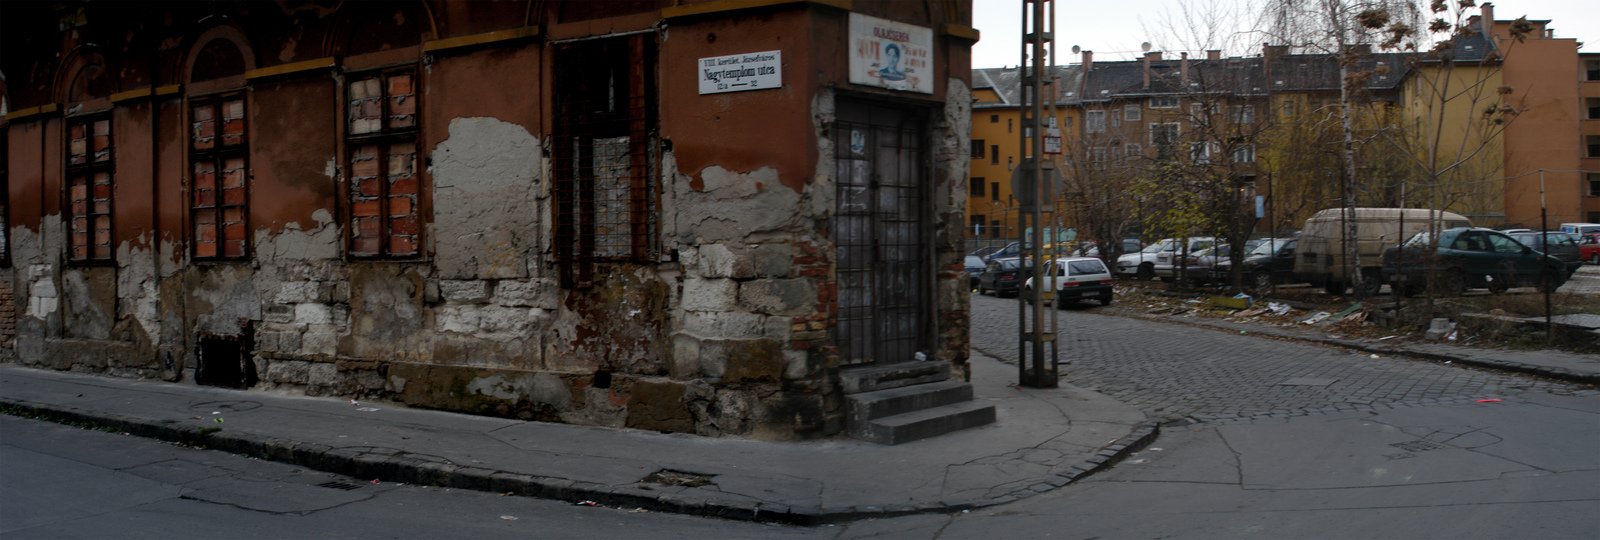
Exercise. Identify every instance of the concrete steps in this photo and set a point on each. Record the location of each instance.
(884, 376)
(907, 401)
(925, 423)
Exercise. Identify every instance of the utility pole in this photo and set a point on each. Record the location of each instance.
(1038, 50)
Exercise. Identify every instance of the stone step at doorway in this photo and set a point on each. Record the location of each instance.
(907, 401)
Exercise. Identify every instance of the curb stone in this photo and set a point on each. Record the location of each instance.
(401, 468)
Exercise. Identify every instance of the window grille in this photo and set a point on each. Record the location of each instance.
(219, 170)
(89, 188)
(384, 192)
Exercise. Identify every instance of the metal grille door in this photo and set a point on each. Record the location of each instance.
(881, 230)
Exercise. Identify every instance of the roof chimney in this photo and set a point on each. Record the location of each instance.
(1088, 61)
(1183, 67)
(1270, 54)
(1153, 56)
(1214, 54)
(1486, 15)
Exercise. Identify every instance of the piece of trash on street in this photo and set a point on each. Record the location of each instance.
(1489, 400)
(1317, 317)
(637, 511)
(1278, 308)
(587, 503)
(217, 419)
(509, 518)
(367, 409)
(1384, 338)
(1451, 337)
(374, 481)
(1447, 361)
(1374, 356)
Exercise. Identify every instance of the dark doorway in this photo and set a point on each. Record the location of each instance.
(882, 232)
(223, 361)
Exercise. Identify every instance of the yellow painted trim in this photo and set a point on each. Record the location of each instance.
(31, 111)
(290, 68)
(961, 31)
(137, 93)
(719, 6)
(480, 39)
(167, 90)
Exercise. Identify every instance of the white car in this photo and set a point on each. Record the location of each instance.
(1141, 264)
(1076, 278)
(1166, 264)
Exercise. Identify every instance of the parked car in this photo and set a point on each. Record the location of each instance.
(1581, 229)
(1142, 264)
(1167, 263)
(1470, 257)
(1589, 249)
(974, 266)
(1320, 255)
(1076, 278)
(1003, 276)
(1270, 263)
(1562, 246)
(1201, 264)
(984, 252)
(1010, 250)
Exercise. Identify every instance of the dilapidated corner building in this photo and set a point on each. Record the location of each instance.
(676, 215)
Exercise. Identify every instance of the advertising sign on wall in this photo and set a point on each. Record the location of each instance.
(891, 55)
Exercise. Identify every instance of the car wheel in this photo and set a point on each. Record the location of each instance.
(1595, 260)
(1146, 272)
(1499, 284)
(1371, 283)
(1105, 300)
(1552, 281)
(1451, 282)
(1261, 281)
(1333, 287)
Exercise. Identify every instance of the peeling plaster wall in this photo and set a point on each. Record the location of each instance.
(726, 333)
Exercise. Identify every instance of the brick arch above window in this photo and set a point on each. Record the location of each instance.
(217, 60)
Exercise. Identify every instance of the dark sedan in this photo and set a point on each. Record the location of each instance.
(1270, 263)
(1562, 246)
(1003, 276)
(1468, 257)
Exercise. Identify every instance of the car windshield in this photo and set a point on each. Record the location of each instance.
(1078, 268)
(974, 262)
(1156, 247)
(1419, 239)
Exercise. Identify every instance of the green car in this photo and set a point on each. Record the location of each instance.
(1471, 257)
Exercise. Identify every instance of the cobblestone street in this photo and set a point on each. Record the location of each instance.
(1173, 371)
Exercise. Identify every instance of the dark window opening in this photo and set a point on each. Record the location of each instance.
(1593, 106)
(994, 119)
(1594, 184)
(1592, 142)
(977, 185)
(977, 148)
(384, 192)
(89, 189)
(219, 58)
(604, 163)
(219, 171)
(1591, 70)
(994, 191)
(994, 154)
(224, 361)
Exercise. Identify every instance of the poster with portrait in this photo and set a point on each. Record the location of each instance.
(892, 55)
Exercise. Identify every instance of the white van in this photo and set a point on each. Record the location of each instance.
(1581, 229)
(1320, 255)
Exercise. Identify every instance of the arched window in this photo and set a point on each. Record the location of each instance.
(219, 151)
(90, 163)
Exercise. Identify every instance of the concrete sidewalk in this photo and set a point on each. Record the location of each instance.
(1043, 439)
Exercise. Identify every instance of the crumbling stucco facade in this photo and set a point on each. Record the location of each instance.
(681, 274)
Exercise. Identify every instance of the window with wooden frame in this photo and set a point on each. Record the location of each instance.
(89, 189)
(219, 171)
(604, 163)
(384, 184)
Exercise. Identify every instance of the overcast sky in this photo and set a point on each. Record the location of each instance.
(1115, 29)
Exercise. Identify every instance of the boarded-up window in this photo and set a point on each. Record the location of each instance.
(219, 178)
(605, 189)
(384, 191)
(89, 189)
